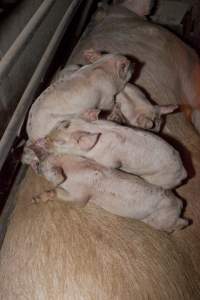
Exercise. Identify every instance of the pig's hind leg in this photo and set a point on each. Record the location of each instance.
(44, 196)
(161, 221)
(52, 195)
(167, 215)
(62, 195)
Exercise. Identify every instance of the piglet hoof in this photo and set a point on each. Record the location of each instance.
(44, 197)
(91, 114)
(181, 224)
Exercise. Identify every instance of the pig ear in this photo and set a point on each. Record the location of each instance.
(165, 109)
(144, 122)
(91, 55)
(91, 114)
(86, 140)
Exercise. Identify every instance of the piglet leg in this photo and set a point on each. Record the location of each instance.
(166, 217)
(45, 196)
(52, 195)
(62, 195)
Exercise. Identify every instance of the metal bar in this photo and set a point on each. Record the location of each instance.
(84, 17)
(24, 37)
(29, 93)
(10, 204)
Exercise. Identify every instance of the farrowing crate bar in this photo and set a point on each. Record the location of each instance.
(29, 93)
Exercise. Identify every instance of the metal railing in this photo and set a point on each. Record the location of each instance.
(14, 52)
(24, 37)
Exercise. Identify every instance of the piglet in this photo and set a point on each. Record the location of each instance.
(132, 150)
(81, 180)
(139, 111)
(132, 107)
(135, 109)
(92, 86)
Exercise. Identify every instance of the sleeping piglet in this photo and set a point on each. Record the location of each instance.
(131, 105)
(92, 86)
(132, 150)
(81, 180)
(135, 108)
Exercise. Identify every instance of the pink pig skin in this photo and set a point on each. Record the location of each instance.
(117, 192)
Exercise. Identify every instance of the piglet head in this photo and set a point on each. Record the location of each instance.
(116, 66)
(153, 119)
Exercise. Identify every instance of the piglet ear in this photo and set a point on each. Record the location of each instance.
(166, 109)
(91, 114)
(86, 140)
(91, 55)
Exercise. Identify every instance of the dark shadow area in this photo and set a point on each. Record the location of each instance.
(137, 65)
(8, 173)
(190, 221)
(146, 93)
(6, 7)
(153, 8)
